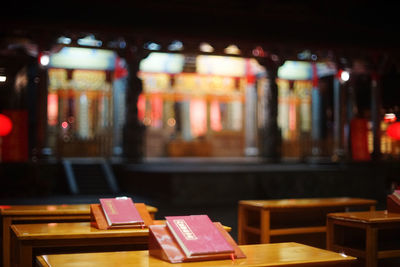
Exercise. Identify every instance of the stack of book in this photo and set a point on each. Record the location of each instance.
(119, 212)
(191, 238)
(393, 202)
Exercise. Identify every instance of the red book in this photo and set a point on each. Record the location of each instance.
(164, 246)
(393, 204)
(197, 235)
(396, 193)
(120, 212)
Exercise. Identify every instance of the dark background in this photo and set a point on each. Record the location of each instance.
(318, 23)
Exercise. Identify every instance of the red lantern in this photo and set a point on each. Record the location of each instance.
(394, 130)
(5, 125)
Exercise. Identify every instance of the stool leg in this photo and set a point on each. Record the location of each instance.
(265, 226)
(242, 223)
(371, 249)
(329, 234)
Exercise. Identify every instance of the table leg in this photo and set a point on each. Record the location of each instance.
(265, 226)
(329, 234)
(371, 250)
(6, 241)
(25, 256)
(242, 222)
(20, 254)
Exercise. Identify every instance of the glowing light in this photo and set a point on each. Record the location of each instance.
(3, 78)
(44, 60)
(141, 106)
(171, 122)
(198, 117)
(52, 109)
(206, 48)
(232, 50)
(64, 125)
(147, 121)
(275, 57)
(64, 40)
(156, 103)
(5, 125)
(306, 54)
(394, 131)
(215, 116)
(163, 62)
(390, 117)
(218, 65)
(152, 46)
(122, 44)
(258, 52)
(292, 116)
(175, 46)
(295, 70)
(345, 76)
(83, 58)
(90, 40)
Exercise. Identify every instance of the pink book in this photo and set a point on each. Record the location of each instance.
(120, 211)
(396, 193)
(197, 235)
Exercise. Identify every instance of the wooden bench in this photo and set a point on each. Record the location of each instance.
(279, 254)
(300, 220)
(370, 236)
(28, 214)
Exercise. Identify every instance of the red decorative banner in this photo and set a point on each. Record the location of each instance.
(359, 140)
(15, 144)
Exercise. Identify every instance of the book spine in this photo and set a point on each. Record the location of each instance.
(178, 239)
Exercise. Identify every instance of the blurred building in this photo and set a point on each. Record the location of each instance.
(84, 97)
(234, 81)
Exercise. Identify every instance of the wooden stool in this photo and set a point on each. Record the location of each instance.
(369, 235)
(261, 220)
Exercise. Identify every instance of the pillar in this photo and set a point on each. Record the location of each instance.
(250, 122)
(317, 115)
(338, 118)
(38, 106)
(269, 134)
(375, 114)
(133, 130)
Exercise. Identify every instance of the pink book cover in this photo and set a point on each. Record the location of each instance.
(120, 211)
(197, 235)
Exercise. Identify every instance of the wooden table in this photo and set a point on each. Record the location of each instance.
(29, 240)
(24, 214)
(278, 254)
(369, 235)
(300, 220)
